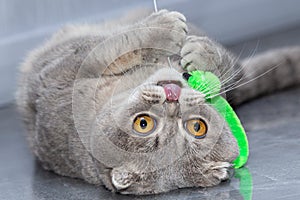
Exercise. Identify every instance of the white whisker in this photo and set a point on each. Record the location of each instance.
(234, 62)
(248, 80)
(230, 68)
(242, 68)
(169, 62)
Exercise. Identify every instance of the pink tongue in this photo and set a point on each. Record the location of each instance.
(172, 91)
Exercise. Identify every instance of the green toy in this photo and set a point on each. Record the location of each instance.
(210, 85)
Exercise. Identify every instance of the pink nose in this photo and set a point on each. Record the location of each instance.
(172, 91)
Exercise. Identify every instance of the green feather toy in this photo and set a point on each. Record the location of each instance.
(210, 85)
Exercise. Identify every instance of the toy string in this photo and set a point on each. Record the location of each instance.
(155, 5)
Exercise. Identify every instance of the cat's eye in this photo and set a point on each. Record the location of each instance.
(197, 127)
(144, 124)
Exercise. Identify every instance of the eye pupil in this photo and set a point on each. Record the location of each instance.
(143, 123)
(197, 126)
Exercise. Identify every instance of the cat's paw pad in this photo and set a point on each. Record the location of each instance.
(199, 53)
(121, 179)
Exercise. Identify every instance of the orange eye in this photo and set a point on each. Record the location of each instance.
(144, 124)
(196, 127)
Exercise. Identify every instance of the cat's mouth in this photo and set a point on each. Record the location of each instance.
(172, 89)
(165, 82)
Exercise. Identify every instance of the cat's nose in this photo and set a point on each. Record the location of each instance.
(186, 76)
(172, 89)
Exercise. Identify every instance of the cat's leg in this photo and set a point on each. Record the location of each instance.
(266, 73)
(151, 40)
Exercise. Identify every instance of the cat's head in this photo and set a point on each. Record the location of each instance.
(162, 135)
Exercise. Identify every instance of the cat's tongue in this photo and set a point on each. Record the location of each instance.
(172, 91)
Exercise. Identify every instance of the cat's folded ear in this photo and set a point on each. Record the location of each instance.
(149, 94)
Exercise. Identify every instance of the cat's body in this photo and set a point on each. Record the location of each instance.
(81, 93)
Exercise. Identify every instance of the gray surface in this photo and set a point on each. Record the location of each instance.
(272, 123)
(25, 24)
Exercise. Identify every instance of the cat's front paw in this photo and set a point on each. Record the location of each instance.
(170, 20)
(167, 28)
(200, 53)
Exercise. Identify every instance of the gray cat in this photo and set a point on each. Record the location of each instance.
(103, 104)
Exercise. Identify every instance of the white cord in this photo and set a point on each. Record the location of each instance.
(155, 5)
(169, 61)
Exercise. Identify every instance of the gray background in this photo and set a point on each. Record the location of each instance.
(25, 24)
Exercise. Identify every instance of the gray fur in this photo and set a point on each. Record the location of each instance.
(80, 92)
